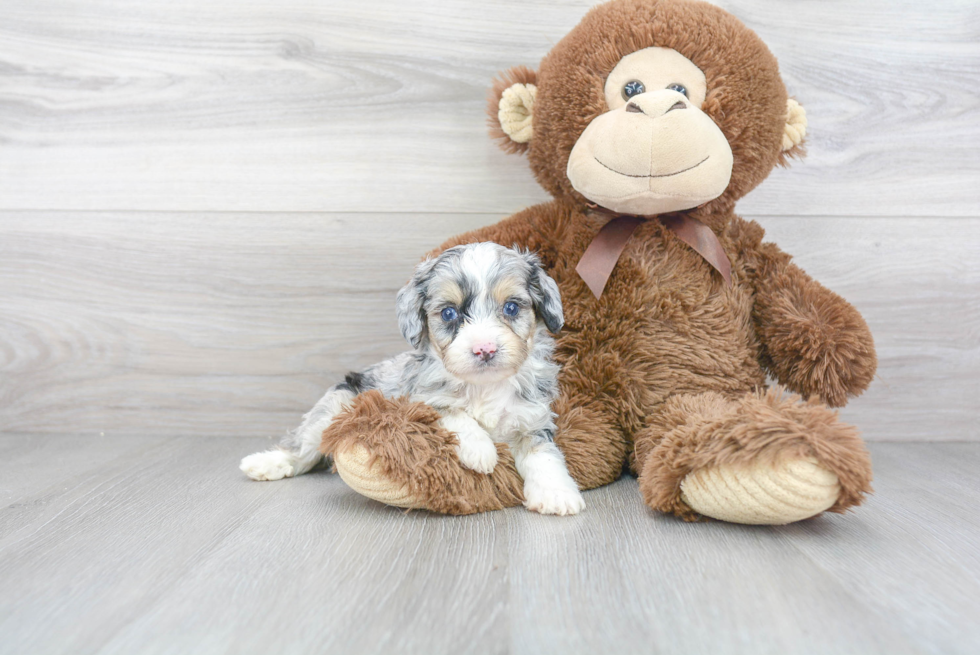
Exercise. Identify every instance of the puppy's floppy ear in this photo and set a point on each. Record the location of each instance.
(410, 305)
(510, 108)
(545, 295)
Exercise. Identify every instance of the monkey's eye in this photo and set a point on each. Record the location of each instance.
(511, 309)
(449, 314)
(680, 88)
(632, 88)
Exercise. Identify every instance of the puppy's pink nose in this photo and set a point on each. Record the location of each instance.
(485, 351)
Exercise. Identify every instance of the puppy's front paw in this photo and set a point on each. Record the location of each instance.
(479, 455)
(561, 499)
(270, 465)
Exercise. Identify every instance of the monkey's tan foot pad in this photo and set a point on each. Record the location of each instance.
(363, 476)
(763, 494)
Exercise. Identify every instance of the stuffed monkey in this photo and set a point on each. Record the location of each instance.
(646, 124)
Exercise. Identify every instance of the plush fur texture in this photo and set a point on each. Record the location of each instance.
(666, 372)
(411, 449)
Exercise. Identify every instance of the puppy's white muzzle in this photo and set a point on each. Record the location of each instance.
(482, 352)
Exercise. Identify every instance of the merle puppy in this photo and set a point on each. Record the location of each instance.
(478, 317)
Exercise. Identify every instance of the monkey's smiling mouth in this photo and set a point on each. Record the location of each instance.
(651, 176)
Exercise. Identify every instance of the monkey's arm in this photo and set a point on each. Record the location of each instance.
(813, 341)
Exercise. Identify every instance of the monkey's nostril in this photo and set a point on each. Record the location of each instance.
(633, 108)
(677, 105)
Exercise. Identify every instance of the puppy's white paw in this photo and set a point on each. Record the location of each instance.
(562, 499)
(270, 465)
(479, 455)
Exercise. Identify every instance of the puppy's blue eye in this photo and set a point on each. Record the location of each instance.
(449, 314)
(511, 309)
(680, 88)
(632, 88)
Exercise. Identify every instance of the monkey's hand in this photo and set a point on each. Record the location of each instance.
(814, 341)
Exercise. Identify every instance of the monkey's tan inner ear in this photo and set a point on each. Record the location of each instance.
(515, 110)
(795, 128)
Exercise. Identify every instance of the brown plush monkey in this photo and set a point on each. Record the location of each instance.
(647, 123)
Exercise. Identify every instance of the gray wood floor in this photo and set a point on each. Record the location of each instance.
(159, 545)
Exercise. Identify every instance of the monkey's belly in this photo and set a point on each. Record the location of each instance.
(661, 350)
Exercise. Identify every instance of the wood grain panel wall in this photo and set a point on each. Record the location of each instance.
(206, 208)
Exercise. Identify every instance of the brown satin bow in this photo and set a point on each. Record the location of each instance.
(599, 259)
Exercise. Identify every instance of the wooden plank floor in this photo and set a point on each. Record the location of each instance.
(156, 545)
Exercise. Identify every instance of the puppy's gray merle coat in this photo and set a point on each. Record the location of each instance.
(478, 317)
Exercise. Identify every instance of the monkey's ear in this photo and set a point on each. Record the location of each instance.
(510, 108)
(794, 131)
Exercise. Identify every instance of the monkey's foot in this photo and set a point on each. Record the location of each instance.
(769, 494)
(360, 471)
(762, 458)
(396, 452)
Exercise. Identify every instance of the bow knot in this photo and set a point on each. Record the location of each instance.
(599, 259)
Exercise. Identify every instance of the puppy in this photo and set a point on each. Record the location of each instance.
(478, 317)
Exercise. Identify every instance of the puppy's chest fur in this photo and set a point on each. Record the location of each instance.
(517, 407)
(499, 410)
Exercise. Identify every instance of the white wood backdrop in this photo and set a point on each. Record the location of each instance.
(206, 207)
